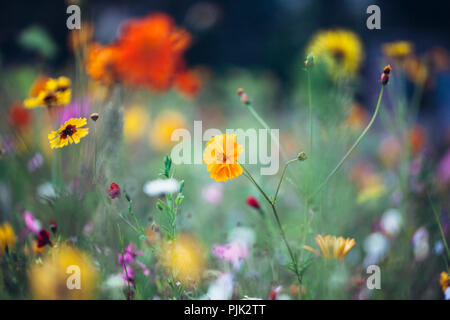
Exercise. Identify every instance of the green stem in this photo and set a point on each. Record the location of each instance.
(310, 113)
(281, 178)
(440, 227)
(277, 219)
(266, 126)
(351, 148)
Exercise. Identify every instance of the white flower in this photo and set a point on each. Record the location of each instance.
(420, 244)
(221, 289)
(447, 293)
(161, 186)
(46, 191)
(377, 246)
(391, 222)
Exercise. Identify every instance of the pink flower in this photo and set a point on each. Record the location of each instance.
(31, 223)
(213, 193)
(234, 252)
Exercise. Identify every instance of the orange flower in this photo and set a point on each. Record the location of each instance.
(444, 280)
(151, 52)
(332, 247)
(188, 83)
(221, 155)
(101, 63)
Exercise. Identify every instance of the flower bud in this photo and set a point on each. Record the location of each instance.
(244, 97)
(309, 62)
(302, 156)
(94, 116)
(253, 202)
(385, 74)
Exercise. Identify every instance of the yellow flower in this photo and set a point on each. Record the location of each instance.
(221, 155)
(185, 258)
(444, 280)
(49, 92)
(340, 50)
(135, 123)
(398, 49)
(7, 237)
(332, 247)
(71, 131)
(372, 188)
(163, 127)
(54, 277)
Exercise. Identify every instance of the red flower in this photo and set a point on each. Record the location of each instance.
(19, 117)
(252, 202)
(113, 191)
(43, 238)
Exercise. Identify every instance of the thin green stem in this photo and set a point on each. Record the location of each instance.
(351, 148)
(310, 113)
(281, 178)
(440, 227)
(277, 219)
(266, 126)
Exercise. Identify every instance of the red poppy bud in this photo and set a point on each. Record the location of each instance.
(252, 202)
(113, 191)
(43, 238)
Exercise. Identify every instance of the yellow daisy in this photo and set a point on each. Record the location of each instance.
(332, 247)
(49, 92)
(163, 127)
(340, 50)
(398, 49)
(70, 132)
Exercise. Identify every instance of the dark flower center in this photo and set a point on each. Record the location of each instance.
(68, 131)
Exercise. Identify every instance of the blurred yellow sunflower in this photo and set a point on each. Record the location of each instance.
(340, 50)
(398, 49)
(70, 132)
(135, 123)
(49, 92)
(163, 127)
(332, 247)
(65, 274)
(185, 258)
(7, 237)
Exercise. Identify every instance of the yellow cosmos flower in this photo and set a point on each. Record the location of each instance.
(70, 132)
(340, 50)
(135, 123)
(332, 247)
(398, 49)
(185, 258)
(49, 92)
(7, 237)
(56, 278)
(221, 155)
(444, 280)
(163, 127)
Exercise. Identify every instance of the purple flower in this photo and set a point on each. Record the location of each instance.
(35, 162)
(75, 109)
(443, 171)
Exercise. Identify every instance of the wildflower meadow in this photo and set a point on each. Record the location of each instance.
(217, 151)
